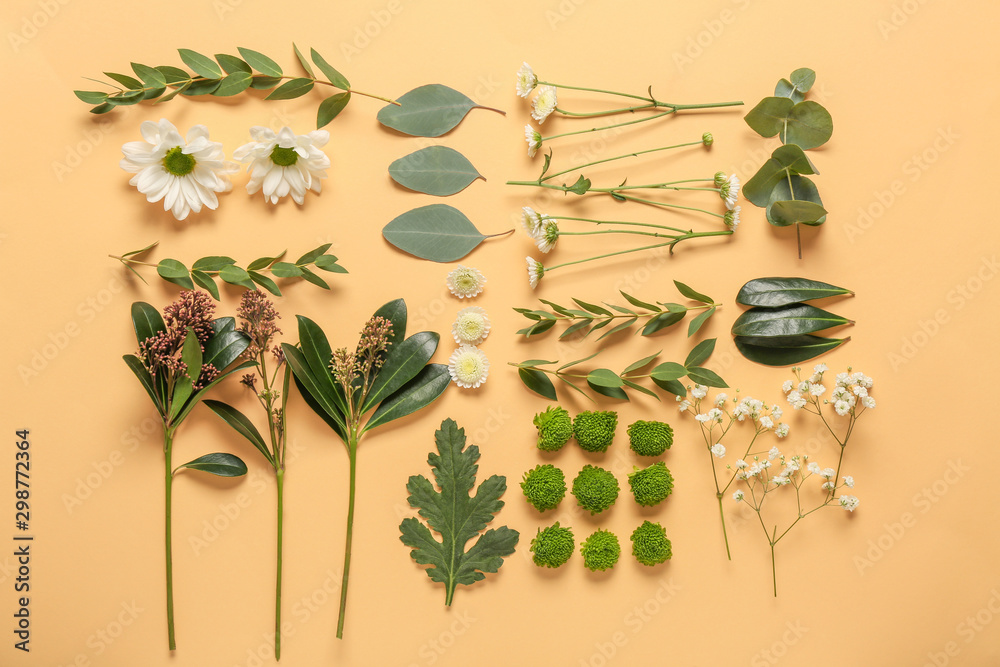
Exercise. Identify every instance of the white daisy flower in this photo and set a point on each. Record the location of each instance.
(718, 450)
(468, 367)
(526, 80)
(534, 139)
(465, 282)
(284, 163)
(535, 272)
(849, 503)
(471, 326)
(730, 191)
(531, 221)
(732, 218)
(186, 173)
(544, 103)
(549, 234)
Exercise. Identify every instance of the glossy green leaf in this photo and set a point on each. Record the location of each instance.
(700, 353)
(286, 270)
(224, 348)
(233, 84)
(265, 282)
(212, 263)
(808, 125)
(698, 321)
(302, 61)
(201, 64)
(416, 394)
(788, 320)
(260, 62)
(137, 368)
(241, 424)
(772, 292)
(91, 96)
(669, 370)
(332, 75)
(769, 116)
(538, 382)
(604, 377)
(435, 170)
(205, 281)
(196, 398)
(321, 402)
(232, 64)
(234, 275)
(785, 350)
(438, 232)
(218, 463)
(402, 363)
(191, 355)
(610, 392)
(692, 294)
(329, 263)
(201, 87)
(675, 387)
(427, 111)
(151, 77)
(317, 354)
(706, 377)
(264, 262)
(661, 321)
(175, 272)
(146, 321)
(395, 312)
(291, 89)
(330, 108)
(223, 324)
(537, 328)
(803, 188)
(124, 79)
(642, 363)
(785, 213)
(311, 277)
(335, 423)
(784, 160)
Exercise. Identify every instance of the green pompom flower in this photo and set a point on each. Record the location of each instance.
(650, 545)
(595, 489)
(651, 485)
(552, 546)
(600, 551)
(594, 431)
(544, 487)
(555, 428)
(650, 438)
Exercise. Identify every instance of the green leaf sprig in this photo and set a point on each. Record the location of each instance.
(204, 271)
(780, 186)
(225, 76)
(456, 516)
(606, 382)
(589, 317)
(779, 329)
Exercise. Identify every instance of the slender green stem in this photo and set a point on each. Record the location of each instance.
(352, 451)
(594, 90)
(722, 515)
(619, 157)
(675, 241)
(608, 112)
(349, 90)
(625, 222)
(280, 474)
(774, 572)
(168, 444)
(617, 231)
(609, 127)
(651, 202)
(645, 98)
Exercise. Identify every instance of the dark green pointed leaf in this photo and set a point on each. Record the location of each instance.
(556, 307)
(772, 292)
(785, 350)
(789, 320)
(312, 255)
(174, 75)
(201, 64)
(213, 263)
(233, 84)
(173, 93)
(201, 87)
(661, 321)
(610, 392)
(637, 303)
(329, 263)
(125, 80)
(126, 99)
(620, 309)
(540, 327)
(538, 382)
(638, 387)
(618, 327)
(785, 213)
(784, 160)
(265, 82)
(232, 64)
(223, 324)
(402, 363)
(642, 363)
(317, 354)
(573, 328)
(224, 348)
(302, 61)
(219, 463)
(314, 405)
(578, 361)
(803, 189)
(604, 377)
(311, 277)
(321, 402)
(241, 424)
(260, 62)
(264, 282)
(234, 275)
(706, 377)
(330, 108)
(696, 323)
(427, 111)
(769, 116)
(435, 170)
(438, 232)
(675, 387)
(153, 93)
(575, 388)
(395, 312)
(809, 125)
(592, 307)
(332, 75)
(91, 96)
(692, 294)
(191, 356)
(667, 371)
(531, 363)
(136, 366)
(102, 108)
(291, 89)
(205, 281)
(151, 77)
(416, 394)
(173, 271)
(286, 270)
(264, 262)
(146, 321)
(700, 353)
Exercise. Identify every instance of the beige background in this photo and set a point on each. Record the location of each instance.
(912, 91)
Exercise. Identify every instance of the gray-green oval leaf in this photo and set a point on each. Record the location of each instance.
(438, 232)
(233, 84)
(604, 377)
(774, 291)
(435, 170)
(260, 62)
(785, 213)
(201, 64)
(427, 111)
(785, 350)
(808, 125)
(790, 320)
(804, 190)
(769, 116)
(784, 160)
(174, 271)
(219, 463)
(291, 89)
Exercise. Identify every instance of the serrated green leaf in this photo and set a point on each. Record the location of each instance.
(205, 281)
(232, 64)
(218, 463)
(291, 89)
(260, 62)
(200, 64)
(581, 186)
(788, 320)
(175, 272)
(700, 353)
(427, 111)
(538, 382)
(435, 170)
(438, 232)
(785, 350)
(330, 108)
(774, 291)
(233, 84)
(332, 75)
(234, 275)
(700, 320)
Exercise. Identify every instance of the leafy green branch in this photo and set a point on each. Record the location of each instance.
(592, 317)
(204, 271)
(606, 382)
(225, 76)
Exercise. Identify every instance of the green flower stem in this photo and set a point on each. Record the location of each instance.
(609, 112)
(168, 444)
(722, 515)
(642, 97)
(352, 452)
(791, 193)
(672, 243)
(593, 90)
(280, 475)
(651, 202)
(624, 222)
(609, 127)
(619, 157)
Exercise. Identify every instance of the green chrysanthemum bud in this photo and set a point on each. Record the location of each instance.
(552, 546)
(594, 431)
(707, 139)
(544, 487)
(650, 545)
(650, 438)
(555, 428)
(600, 551)
(651, 485)
(595, 489)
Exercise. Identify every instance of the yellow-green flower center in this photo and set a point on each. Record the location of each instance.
(178, 163)
(284, 157)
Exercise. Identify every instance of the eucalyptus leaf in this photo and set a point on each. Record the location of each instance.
(808, 125)
(232, 64)
(201, 87)
(661, 321)
(201, 64)
(129, 82)
(265, 82)
(286, 270)
(264, 282)
(302, 61)
(768, 118)
(219, 463)
(785, 213)
(264, 262)
(332, 75)
(784, 161)
(785, 88)
(126, 99)
(667, 371)
(642, 363)
(329, 263)
(174, 75)
(698, 321)
(706, 377)
(800, 189)
(692, 294)
(700, 353)
(538, 382)
(234, 275)
(774, 291)
(788, 320)
(102, 108)
(437, 232)
(803, 79)
(638, 387)
(427, 111)
(610, 392)
(91, 96)
(785, 350)
(604, 377)
(311, 277)
(152, 77)
(638, 303)
(435, 170)
(313, 255)
(212, 263)
(205, 281)
(675, 387)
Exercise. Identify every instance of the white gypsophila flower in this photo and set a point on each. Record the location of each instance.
(868, 402)
(843, 379)
(813, 467)
(468, 367)
(804, 387)
(531, 221)
(683, 405)
(773, 453)
(701, 417)
(842, 408)
(795, 400)
(718, 450)
(866, 381)
(738, 495)
(465, 282)
(720, 399)
(849, 482)
(820, 368)
(534, 139)
(730, 190)
(699, 391)
(859, 391)
(549, 234)
(827, 473)
(535, 271)
(817, 390)
(849, 503)
(715, 414)
(544, 103)
(766, 423)
(826, 486)
(732, 218)
(786, 386)
(776, 412)
(791, 466)
(781, 480)
(781, 430)
(471, 326)
(526, 80)
(185, 172)
(741, 464)
(284, 163)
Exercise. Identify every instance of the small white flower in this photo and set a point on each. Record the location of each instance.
(776, 412)
(702, 417)
(817, 390)
(284, 163)
(766, 423)
(468, 367)
(813, 467)
(535, 271)
(683, 405)
(843, 379)
(804, 386)
(549, 234)
(699, 391)
(849, 482)
(738, 495)
(786, 386)
(715, 414)
(730, 191)
(534, 139)
(526, 80)
(849, 503)
(842, 407)
(531, 221)
(471, 326)
(732, 218)
(868, 402)
(866, 381)
(741, 464)
(781, 480)
(186, 173)
(465, 282)
(544, 103)
(820, 368)
(720, 399)
(859, 391)
(827, 473)
(781, 431)
(795, 400)
(773, 453)
(826, 486)
(718, 450)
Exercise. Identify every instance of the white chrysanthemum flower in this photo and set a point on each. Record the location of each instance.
(781, 431)
(535, 271)
(730, 191)
(849, 503)
(849, 482)
(813, 467)
(531, 221)
(284, 163)
(534, 139)
(544, 103)
(773, 453)
(526, 80)
(718, 450)
(786, 386)
(471, 326)
(738, 495)
(185, 172)
(549, 234)
(468, 367)
(868, 402)
(699, 391)
(465, 282)
(732, 218)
